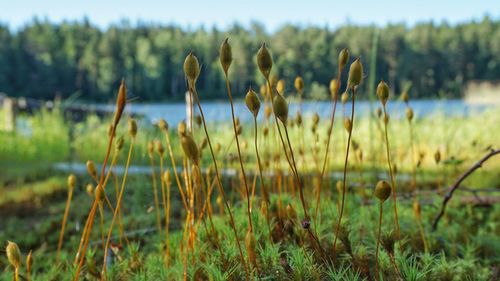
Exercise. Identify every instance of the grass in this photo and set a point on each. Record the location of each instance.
(198, 234)
(26, 154)
(460, 250)
(28, 157)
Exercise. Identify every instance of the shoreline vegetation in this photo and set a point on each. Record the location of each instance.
(54, 144)
(280, 216)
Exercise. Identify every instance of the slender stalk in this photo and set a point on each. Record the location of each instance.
(155, 194)
(292, 166)
(182, 247)
(65, 218)
(330, 130)
(85, 240)
(249, 211)
(259, 166)
(91, 216)
(301, 193)
(315, 151)
(378, 241)
(301, 133)
(281, 187)
(183, 242)
(343, 115)
(361, 179)
(118, 206)
(190, 117)
(209, 198)
(190, 193)
(120, 214)
(413, 162)
(391, 172)
(277, 126)
(393, 261)
(165, 192)
(101, 222)
(174, 168)
(305, 223)
(252, 193)
(168, 184)
(344, 184)
(414, 184)
(187, 225)
(109, 173)
(80, 246)
(219, 181)
(207, 207)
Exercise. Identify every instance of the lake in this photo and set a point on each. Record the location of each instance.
(220, 111)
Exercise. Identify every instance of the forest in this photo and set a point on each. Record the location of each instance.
(79, 60)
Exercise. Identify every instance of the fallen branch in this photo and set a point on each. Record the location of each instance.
(455, 186)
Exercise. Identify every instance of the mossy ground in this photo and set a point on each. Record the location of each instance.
(465, 246)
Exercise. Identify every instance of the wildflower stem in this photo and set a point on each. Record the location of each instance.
(325, 159)
(292, 166)
(91, 216)
(378, 240)
(344, 184)
(249, 211)
(265, 195)
(174, 168)
(65, 218)
(219, 181)
(155, 195)
(118, 206)
(391, 172)
(413, 162)
(299, 182)
(165, 194)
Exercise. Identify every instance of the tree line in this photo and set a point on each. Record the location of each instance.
(80, 60)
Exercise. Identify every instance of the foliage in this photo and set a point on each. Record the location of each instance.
(285, 260)
(43, 59)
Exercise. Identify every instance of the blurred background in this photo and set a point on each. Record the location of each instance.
(61, 63)
(82, 49)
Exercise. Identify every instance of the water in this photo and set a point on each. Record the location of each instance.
(220, 111)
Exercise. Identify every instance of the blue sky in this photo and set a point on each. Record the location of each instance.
(222, 13)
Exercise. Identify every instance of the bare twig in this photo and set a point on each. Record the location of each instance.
(455, 186)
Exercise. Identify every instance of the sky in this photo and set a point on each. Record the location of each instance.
(273, 14)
